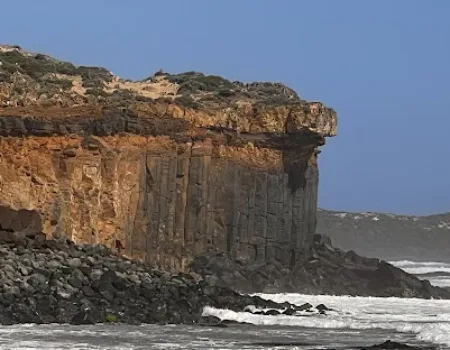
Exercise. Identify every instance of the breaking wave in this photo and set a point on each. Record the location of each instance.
(429, 320)
(438, 273)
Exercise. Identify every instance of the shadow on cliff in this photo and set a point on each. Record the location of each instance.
(18, 224)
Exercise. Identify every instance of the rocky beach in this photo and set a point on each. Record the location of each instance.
(49, 281)
(57, 281)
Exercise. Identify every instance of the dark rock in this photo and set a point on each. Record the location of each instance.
(232, 323)
(392, 345)
(303, 307)
(75, 282)
(74, 263)
(22, 313)
(322, 307)
(37, 279)
(289, 311)
(88, 291)
(86, 270)
(108, 294)
(209, 320)
(87, 316)
(26, 222)
(120, 284)
(108, 277)
(272, 312)
(330, 271)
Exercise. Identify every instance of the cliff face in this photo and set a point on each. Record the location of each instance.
(171, 167)
(388, 236)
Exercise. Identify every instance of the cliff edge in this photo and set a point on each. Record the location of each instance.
(165, 168)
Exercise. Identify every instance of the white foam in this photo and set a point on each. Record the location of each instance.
(409, 263)
(426, 269)
(422, 268)
(428, 319)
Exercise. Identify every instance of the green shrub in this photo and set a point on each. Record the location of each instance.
(96, 92)
(35, 66)
(110, 318)
(187, 101)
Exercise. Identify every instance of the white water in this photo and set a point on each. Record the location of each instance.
(356, 321)
(429, 320)
(420, 268)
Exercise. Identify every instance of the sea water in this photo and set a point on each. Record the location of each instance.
(354, 322)
(437, 273)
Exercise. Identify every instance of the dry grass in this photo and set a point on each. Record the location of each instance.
(160, 88)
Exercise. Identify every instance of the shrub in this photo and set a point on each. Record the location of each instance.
(35, 66)
(187, 101)
(110, 318)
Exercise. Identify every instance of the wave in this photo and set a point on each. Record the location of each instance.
(423, 270)
(410, 263)
(435, 274)
(429, 320)
(438, 273)
(438, 333)
(415, 267)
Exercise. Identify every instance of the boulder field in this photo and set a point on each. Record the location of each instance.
(48, 281)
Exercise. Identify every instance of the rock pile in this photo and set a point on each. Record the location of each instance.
(46, 281)
(329, 271)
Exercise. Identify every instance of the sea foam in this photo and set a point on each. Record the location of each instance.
(429, 320)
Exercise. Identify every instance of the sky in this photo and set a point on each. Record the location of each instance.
(383, 65)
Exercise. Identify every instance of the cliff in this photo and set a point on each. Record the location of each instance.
(169, 167)
(388, 236)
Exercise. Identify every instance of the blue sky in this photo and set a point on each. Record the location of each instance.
(383, 65)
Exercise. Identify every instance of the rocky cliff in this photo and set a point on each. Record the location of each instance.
(388, 236)
(168, 167)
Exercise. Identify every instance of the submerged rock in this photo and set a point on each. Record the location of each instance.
(392, 345)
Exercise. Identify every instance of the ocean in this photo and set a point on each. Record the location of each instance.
(437, 273)
(355, 322)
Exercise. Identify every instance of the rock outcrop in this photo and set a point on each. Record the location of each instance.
(328, 271)
(388, 236)
(165, 168)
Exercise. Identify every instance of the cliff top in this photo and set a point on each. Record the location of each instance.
(38, 85)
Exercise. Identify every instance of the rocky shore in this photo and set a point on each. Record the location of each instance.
(48, 281)
(58, 281)
(329, 271)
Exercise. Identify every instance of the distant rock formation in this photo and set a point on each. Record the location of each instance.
(328, 271)
(388, 236)
(165, 168)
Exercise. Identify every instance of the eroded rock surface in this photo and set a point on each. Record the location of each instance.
(168, 167)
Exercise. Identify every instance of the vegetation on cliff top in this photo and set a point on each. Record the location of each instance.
(36, 79)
